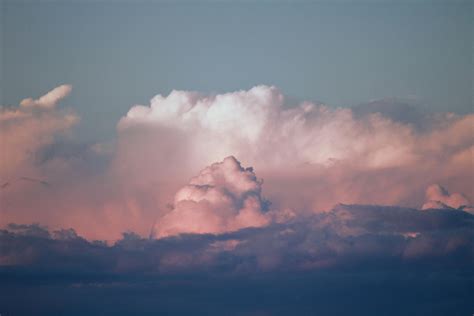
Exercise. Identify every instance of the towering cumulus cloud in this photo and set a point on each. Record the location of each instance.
(312, 156)
(223, 197)
(258, 126)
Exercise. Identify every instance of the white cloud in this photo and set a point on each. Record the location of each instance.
(260, 128)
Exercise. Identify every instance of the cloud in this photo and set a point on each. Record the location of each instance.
(223, 197)
(260, 128)
(438, 197)
(27, 128)
(349, 248)
(50, 99)
(44, 176)
(352, 236)
(312, 157)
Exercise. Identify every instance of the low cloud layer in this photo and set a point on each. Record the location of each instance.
(352, 257)
(347, 236)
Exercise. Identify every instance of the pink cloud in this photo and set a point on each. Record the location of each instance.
(311, 156)
(29, 127)
(50, 99)
(222, 197)
(438, 197)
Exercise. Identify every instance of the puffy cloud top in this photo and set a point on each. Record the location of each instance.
(312, 156)
(258, 125)
(222, 197)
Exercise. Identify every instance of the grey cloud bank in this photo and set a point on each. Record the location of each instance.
(306, 260)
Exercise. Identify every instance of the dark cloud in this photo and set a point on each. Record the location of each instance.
(349, 233)
(354, 255)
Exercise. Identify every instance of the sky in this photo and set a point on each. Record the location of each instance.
(247, 158)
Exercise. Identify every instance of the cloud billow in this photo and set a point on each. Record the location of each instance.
(311, 156)
(223, 197)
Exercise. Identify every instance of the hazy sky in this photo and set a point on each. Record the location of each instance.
(119, 54)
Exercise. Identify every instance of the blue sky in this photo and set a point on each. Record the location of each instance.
(119, 54)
